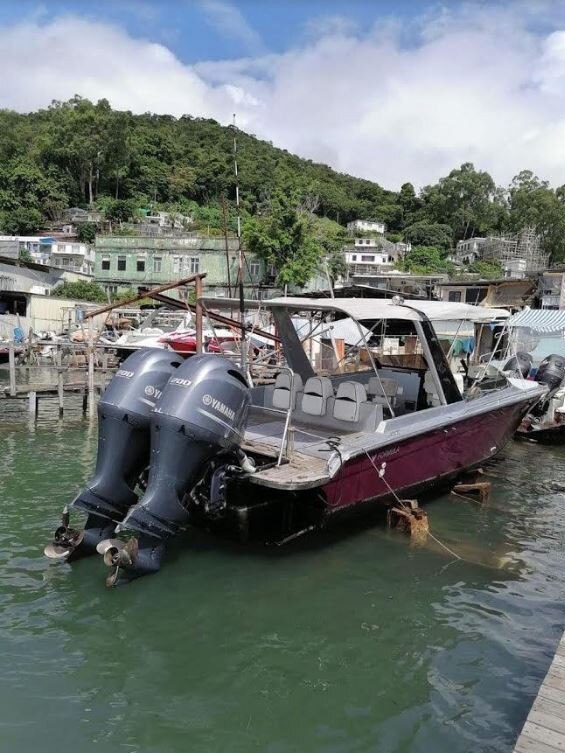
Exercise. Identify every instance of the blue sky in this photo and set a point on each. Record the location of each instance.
(388, 90)
(194, 30)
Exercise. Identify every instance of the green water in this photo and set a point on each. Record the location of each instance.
(338, 644)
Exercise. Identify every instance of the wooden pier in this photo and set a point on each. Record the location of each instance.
(88, 378)
(544, 729)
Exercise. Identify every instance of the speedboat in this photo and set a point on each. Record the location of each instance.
(535, 349)
(153, 329)
(185, 342)
(342, 427)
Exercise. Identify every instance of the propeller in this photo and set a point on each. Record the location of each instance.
(65, 539)
(120, 556)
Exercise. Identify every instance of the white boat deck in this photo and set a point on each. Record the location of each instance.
(544, 729)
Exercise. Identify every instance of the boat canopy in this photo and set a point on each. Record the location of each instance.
(543, 321)
(389, 308)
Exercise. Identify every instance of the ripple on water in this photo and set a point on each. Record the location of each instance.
(343, 644)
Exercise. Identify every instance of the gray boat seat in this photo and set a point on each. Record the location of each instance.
(380, 390)
(348, 400)
(431, 391)
(317, 392)
(287, 386)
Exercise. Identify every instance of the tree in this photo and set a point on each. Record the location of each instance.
(425, 260)
(434, 234)
(533, 203)
(80, 291)
(120, 210)
(285, 238)
(464, 199)
(488, 270)
(21, 221)
(86, 232)
(332, 239)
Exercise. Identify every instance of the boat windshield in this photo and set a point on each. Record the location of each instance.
(538, 344)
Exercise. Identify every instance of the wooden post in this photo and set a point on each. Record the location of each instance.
(60, 390)
(91, 395)
(198, 286)
(12, 364)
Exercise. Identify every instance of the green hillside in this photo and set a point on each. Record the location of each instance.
(78, 153)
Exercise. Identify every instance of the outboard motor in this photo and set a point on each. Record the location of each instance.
(520, 364)
(123, 451)
(551, 372)
(200, 417)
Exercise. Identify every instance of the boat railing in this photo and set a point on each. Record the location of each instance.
(283, 452)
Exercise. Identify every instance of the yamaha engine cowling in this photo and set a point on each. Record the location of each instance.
(123, 451)
(520, 364)
(551, 372)
(201, 415)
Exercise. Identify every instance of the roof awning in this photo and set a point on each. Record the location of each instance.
(544, 321)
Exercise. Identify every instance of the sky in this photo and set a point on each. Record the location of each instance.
(393, 91)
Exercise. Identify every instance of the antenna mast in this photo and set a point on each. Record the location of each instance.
(240, 251)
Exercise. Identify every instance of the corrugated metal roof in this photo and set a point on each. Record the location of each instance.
(539, 320)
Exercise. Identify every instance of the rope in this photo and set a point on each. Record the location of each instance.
(381, 474)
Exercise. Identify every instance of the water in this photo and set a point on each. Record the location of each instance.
(340, 644)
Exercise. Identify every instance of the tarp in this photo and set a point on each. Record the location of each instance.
(543, 321)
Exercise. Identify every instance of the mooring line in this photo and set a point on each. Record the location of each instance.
(381, 474)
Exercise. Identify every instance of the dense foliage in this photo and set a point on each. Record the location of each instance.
(81, 291)
(78, 153)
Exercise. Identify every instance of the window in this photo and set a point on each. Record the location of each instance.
(454, 296)
(140, 264)
(157, 263)
(106, 262)
(367, 241)
(353, 257)
(122, 263)
(177, 265)
(254, 269)
(367, 257)
(194, 265)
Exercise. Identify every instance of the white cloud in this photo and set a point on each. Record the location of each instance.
(482, 84)
(229, 21)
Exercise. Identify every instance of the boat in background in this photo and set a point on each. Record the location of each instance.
(536, 350)
(153, 328)
(185, 342)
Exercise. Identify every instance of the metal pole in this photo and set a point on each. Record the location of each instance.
(198, 285)
(225, 217)
(240, 254)
(91, 397)
(60, 390)
(12, 366)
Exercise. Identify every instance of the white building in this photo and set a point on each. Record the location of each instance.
(38, 246)
(74, 256)
(366, 226)
(469, 250)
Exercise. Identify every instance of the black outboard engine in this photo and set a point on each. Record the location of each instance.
(123, 451)
(201, 415)
(520, 364)
(551, 372)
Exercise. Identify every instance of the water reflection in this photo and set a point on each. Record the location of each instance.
(351, 642)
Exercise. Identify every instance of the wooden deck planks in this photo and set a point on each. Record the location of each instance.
(544, 729)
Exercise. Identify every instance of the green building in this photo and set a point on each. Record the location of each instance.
(122, 261)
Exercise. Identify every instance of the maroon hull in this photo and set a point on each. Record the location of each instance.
(417, 462)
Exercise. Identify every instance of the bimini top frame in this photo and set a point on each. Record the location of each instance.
(372, 308)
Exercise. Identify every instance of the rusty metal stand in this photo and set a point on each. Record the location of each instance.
(473, 489)
(410, 519)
